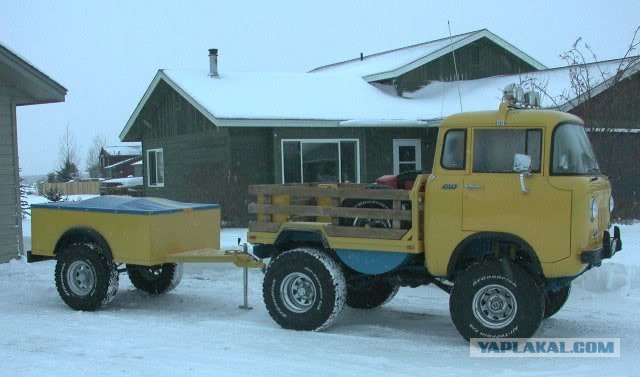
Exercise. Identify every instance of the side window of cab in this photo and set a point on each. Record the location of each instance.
(494, 149)
(454, 150)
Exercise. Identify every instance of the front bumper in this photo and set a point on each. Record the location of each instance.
(610, 246)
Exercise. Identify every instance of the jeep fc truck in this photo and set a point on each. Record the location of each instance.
(515, 209)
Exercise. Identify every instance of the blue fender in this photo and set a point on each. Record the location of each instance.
(372, 262)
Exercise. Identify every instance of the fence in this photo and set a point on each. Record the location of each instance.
(74, 188)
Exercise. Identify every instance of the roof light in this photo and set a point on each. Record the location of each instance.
(515, 96)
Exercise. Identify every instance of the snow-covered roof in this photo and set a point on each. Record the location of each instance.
(346, 100)
(554, 85)
(126, 182)
(129, 161)
(123, 150)
(393, 63)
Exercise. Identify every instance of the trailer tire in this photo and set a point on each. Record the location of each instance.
(155, 280)
(85, 278)
(555, 300)
(304, 289)
(496, 299)
(371, 294)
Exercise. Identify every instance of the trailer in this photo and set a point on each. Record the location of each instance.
(96, 240)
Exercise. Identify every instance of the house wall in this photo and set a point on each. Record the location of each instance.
(196, 153)
(482, 58)
(10, 219)
(376, 146)
(617, 108)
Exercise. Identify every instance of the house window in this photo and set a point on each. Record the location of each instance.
(407, 155)
(320, 160)
(155, 170)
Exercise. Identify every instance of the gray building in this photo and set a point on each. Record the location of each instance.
(21, 84)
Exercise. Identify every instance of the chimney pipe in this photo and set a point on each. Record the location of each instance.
(213, 62)
(361, 56)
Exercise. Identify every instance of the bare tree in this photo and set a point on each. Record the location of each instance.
(93, 156)
(602, 96)
(67, 156)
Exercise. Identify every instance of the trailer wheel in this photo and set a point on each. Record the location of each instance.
(155, 280)
(85, 278)
(496, 299)
(304, 289)
(555, 300)
(371, 293)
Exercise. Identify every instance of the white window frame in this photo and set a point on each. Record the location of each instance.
(327, 141)
(156, 150)
(397, 143)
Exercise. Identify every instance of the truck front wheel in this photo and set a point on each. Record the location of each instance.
(555, 300)
(85, 278)
(155, 280)
(496, 299)
(371, 293)
(304, 289)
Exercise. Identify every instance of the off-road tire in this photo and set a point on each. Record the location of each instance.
(318, 273)
(481, 284)
(555, 300)
(155, 280)
(95, 275)
(372, 293)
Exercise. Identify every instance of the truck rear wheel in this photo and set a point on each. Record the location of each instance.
(496, 299)
(155, 280)
(555, 300)
(371, 293)
(304, 289)
(85, 278)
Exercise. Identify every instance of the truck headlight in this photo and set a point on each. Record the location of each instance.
(611, 204)
(594, 209)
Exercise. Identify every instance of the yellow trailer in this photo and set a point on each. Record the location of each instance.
(152, 237)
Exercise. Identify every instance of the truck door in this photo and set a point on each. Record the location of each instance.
(493, 200)
(443, 206)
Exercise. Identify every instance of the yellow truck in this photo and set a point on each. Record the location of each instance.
(513, 210)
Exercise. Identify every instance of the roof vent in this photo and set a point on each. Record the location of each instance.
(213, 62)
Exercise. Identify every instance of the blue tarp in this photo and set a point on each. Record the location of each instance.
(127, 205)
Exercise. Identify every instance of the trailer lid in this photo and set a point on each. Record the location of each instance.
(127, 205)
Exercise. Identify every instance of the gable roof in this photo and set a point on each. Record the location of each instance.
(34, 85)
(393, 63)
(281, 100)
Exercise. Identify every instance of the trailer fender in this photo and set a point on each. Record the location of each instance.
(372, 262)
(84, 235)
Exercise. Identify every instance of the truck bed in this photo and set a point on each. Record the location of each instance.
(320, 207)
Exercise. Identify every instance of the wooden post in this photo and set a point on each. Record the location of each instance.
(396, 205)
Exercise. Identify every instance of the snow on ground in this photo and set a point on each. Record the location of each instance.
(198, 330)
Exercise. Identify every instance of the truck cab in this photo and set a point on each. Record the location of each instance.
(514, 209)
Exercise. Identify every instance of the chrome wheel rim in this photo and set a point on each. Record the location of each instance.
(298, 293)
(81, 278)
(495, 306)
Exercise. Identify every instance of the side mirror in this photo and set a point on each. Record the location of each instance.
(521, 163)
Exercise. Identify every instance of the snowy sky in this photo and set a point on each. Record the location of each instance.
(106, 52)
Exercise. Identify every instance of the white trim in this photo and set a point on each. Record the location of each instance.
(156, 150)
(397, 143)
(327, 141)
(447, 49)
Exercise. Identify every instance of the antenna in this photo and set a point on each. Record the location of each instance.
(455, 66)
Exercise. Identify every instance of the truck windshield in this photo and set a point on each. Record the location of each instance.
(572, 151)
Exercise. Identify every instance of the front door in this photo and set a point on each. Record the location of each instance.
(493, 200)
